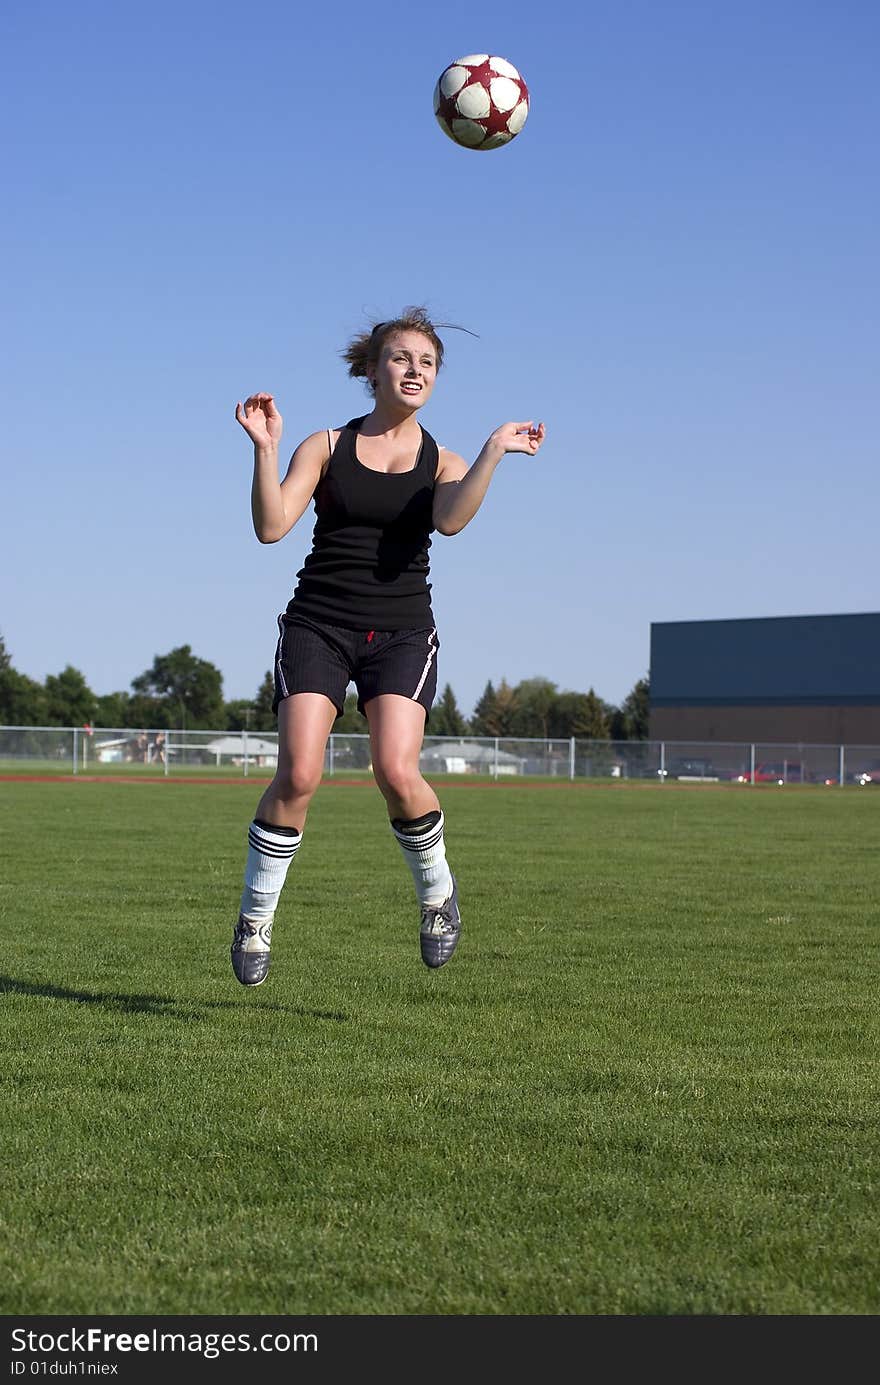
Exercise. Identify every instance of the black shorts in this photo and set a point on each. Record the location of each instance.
(313, 657)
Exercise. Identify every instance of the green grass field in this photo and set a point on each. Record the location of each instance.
(646, 1084)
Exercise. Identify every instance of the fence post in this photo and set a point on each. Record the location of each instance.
(752, 765)
(662, 762)
(571, 760)
(495, 767)
(75, 749)
(842, 771)
(330, 748)
(244, 752)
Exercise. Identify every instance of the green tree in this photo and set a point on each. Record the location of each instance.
(253, 714)
(113, 710)
(238, 715)
(506, 707)
(484, 712)
(630, 720)
(352, 722)
(144, 710)
(446, 719)
(592, 723)
(188, 690)
(495, 713)
(264, 718)
(22, 700)
(535, 701)
(69, 699)
(581, 715)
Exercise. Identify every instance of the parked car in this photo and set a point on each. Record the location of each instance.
(775, 772)
(692, 769)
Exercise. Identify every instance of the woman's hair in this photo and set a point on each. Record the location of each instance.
(363, 351)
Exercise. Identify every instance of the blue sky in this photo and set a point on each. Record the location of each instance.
(674, 266)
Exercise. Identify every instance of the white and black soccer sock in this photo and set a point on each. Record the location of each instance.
(424, 850)
(270, 852)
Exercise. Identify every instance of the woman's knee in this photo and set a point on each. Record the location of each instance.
(297, 780)
(396, 776)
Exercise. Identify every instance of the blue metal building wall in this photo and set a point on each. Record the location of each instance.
(779, 660)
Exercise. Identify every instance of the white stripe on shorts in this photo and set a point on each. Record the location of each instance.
(432, 654)
(279, 671)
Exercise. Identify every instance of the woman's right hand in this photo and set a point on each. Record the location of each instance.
(260, 419)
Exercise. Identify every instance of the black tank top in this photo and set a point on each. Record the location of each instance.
(368, 567)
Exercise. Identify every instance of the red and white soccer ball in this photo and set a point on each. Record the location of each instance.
(481, 101)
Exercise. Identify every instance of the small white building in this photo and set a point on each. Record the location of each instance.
(114, 749)
(238, 748)
(468, 757)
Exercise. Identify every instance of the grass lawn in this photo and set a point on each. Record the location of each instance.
(646, 1084)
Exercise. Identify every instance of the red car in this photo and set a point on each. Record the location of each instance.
(775, 772)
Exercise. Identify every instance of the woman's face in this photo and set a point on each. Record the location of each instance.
(406, 370)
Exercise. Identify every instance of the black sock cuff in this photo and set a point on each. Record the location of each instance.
(414, 827)
(273, 827)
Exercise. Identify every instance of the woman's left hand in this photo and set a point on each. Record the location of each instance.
(519, 437)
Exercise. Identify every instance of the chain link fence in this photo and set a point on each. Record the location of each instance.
(54, 750)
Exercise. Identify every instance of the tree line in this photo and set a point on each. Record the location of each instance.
(179, 691)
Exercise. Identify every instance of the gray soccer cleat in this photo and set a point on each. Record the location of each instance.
(250, 950)
(440, 930)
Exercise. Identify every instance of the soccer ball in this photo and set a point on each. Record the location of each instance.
(481, 102)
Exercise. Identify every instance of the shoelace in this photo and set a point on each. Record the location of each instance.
(440, 922)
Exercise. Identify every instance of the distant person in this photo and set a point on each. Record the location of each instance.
(159, 748)
(361, 612)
